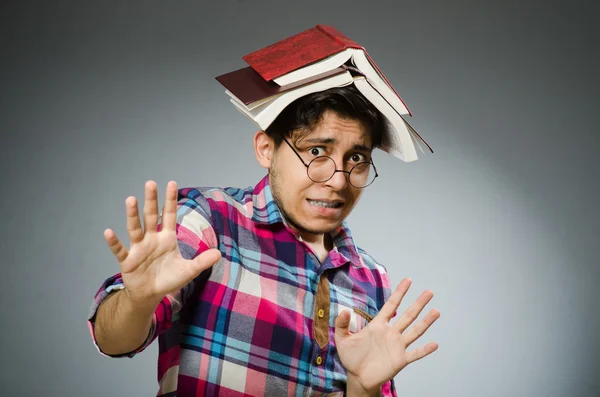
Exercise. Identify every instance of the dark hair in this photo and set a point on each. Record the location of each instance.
(306, 112)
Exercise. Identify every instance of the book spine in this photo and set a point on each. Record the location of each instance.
(347, 42)
(334, 34)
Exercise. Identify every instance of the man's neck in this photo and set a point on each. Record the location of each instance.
(321, 244)
(322, 240)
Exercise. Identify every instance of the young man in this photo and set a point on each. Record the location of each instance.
(262, 291)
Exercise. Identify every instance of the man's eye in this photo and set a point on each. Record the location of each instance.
(358, 158)
(316, 151)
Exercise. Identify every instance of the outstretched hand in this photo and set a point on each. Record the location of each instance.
(379, 351)
(153, 266)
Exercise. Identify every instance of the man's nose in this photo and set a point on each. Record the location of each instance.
(339, 180)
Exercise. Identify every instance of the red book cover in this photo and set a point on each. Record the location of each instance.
(298, 50)
(302, 49)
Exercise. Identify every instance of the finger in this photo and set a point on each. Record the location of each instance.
(342, 323)
(420, 352)
(391, 305)
(207, 259)
(116, 247)
(185, 271)
(169, 217)
(134, 228)
(192, 268)
(413, 311)
(150, 207)
(418, 330)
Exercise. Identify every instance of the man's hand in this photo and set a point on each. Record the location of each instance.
(153, 266)
(379, 351)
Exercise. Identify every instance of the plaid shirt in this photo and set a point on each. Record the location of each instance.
(260, 322)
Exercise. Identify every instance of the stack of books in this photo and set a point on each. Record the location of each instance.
(315, 60)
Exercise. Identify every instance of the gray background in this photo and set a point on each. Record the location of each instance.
(501, 222)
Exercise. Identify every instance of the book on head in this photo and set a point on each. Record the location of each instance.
(317, 50)
(315, 60)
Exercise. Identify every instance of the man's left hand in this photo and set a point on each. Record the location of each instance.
(379, 351)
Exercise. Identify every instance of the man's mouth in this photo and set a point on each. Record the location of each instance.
(326, 203)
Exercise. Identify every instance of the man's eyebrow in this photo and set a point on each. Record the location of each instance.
(330, 141)
(323, 141)
(362, 148)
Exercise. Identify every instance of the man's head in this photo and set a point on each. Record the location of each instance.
(339, 123)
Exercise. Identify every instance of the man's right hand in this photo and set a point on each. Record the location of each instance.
(153, 266)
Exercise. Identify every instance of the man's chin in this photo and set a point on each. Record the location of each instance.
(314, 225)
(320, 227)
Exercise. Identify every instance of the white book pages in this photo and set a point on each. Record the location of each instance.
(267, 112)
(399, 143)
(254, 104)
(364, 65)
(358, 59)
(315, 68)
(245, 112)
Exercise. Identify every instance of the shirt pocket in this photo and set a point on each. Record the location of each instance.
(360, 316)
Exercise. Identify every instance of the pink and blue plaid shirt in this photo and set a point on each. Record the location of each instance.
(261, 321)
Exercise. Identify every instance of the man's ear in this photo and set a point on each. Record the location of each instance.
(264, 148)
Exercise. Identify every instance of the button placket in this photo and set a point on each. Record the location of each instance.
(321, 318)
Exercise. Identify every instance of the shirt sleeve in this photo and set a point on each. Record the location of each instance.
(195, 234)
(389, 389)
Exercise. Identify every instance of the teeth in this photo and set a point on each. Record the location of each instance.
(323, 204)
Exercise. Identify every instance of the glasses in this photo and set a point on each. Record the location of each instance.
(323, 168)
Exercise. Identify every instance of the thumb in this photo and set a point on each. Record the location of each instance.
(195, 266)
(207, 259)
(342, 322)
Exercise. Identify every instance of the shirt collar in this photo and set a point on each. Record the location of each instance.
(266, 212)
(344, 244)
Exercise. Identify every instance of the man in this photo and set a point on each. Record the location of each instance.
(263, 291)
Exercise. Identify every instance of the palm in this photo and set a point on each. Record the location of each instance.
(153, 266)
(155, 259)
(378, 352)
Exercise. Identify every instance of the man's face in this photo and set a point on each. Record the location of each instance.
(311, 207)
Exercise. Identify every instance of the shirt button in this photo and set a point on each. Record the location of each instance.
(321, 313)
(319, 360)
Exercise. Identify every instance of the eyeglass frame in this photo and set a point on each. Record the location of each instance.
(336, 170)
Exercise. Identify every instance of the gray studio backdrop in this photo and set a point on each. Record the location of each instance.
(501, 222)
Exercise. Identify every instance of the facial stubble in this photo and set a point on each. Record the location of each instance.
(275, 189)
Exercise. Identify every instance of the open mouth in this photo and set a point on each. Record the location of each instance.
(326, 204)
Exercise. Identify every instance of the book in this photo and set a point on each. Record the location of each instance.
(265, 110)
(314, 51)
(262, 101)
(315, 60)
(251, 89)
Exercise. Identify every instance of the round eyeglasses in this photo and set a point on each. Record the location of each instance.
(323, 168)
